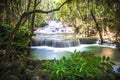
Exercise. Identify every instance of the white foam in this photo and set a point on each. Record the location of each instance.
(54, 27)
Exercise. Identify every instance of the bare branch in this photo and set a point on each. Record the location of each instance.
(38, 3)
(12, 34)
(46, 12)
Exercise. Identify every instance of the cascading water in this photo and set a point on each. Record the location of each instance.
(55, 40)
(54, 35)
(54, 27)
(54, 43)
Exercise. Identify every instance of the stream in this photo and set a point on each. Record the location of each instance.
(55, 41)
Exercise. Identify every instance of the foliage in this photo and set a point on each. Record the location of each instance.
(5, 29)
(39, 21)
(21, 41)
(22, 38)
(80, 66)
(75, 13)
(23, 68)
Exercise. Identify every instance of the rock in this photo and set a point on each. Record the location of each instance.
(2, 52)
(13, 77)
(35, 78)
(118, 45)
(28, 72)
(88, 40)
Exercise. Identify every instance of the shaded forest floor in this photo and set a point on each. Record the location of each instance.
(22, 69)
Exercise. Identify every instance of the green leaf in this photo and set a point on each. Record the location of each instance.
(108, 58)
(112, 63)
(57, 72)
(80, 69)
(103, 58)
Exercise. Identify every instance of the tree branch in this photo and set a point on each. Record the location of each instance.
(17, 26)
(46, 12)
(38, 3)
(97, 26)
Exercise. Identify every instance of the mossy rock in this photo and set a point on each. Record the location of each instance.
(88, 40)
(13, 77)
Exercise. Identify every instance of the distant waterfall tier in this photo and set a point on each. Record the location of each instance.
(54, 42)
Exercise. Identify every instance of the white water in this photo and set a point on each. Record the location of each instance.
(54, 42)
(54, 27)
(56, 31)
(48, 53)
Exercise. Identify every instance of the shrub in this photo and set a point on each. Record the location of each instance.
(21, 40)
(80, 67)
(5, 29)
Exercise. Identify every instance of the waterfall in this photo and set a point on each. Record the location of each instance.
(54, 35)
(54, 27)
(54, 42)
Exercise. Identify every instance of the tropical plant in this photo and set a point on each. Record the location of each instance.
(80, 66)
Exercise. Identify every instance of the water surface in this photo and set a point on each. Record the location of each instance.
(49, 53)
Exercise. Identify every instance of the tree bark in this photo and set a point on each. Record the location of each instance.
(33, 20)
(97, 26)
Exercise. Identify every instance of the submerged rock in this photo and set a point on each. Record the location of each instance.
(118, 45)
(88, 40)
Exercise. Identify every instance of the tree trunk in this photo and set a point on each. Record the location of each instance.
(17, 26)
(97, 26)
(33, 20)
(11, 38)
